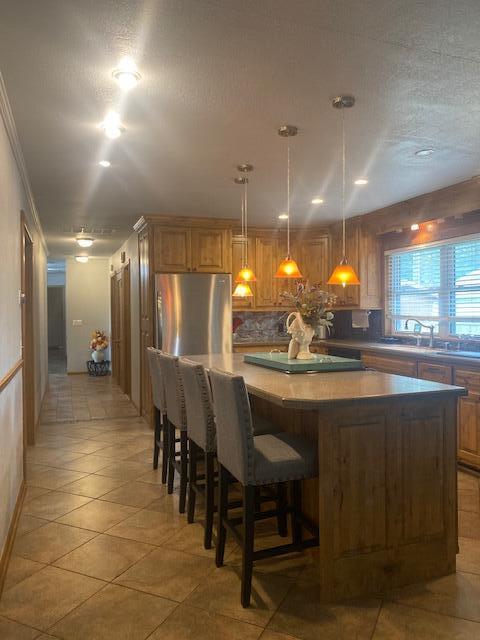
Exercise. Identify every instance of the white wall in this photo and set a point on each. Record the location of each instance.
(87, 298)
(131, 255)
(15, 196)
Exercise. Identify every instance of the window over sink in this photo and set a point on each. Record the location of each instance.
(437, 283)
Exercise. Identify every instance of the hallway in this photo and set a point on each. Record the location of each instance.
(102, 553)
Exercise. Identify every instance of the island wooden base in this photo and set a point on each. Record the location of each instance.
(386, 497)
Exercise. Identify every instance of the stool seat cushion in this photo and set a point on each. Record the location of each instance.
(261, 426)
(281, 457)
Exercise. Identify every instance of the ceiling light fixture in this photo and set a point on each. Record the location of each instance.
(361, 181)
(84, 242)
(317, 200)
(343, 273)
(246, 274)
(126, 74)
(424, 153)
(288, 268)
(104, 163)
(82, 259)
(414, 227)
(283, 216)
(112, 126)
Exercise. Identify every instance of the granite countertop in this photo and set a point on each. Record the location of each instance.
(311, 390)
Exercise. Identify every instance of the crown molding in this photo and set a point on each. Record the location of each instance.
(9, 122)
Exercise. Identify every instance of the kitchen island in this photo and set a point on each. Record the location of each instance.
(385, 499)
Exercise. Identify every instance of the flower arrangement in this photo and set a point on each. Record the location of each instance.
(312, 303)
(99, 340)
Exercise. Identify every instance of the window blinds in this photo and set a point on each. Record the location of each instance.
(438, 284)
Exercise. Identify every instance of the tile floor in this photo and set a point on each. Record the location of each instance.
(102, 553)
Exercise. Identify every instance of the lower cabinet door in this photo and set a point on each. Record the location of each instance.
(469, 430)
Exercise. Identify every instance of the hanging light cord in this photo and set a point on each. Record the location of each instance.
(245, 226)
(288, 200)
(343, 180)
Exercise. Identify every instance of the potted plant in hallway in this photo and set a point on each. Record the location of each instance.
(98, 344)
(311, 316)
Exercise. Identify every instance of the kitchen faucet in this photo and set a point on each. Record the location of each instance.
(430, 327)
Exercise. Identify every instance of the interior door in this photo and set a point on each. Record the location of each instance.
(27, 336)
(120, 322)
(115, 324)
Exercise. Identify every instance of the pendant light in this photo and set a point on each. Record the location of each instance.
(288, 268)
(343, 273)
(245, 275)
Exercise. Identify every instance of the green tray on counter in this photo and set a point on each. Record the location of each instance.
(321, 363)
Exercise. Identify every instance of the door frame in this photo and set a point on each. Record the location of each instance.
(28, 352)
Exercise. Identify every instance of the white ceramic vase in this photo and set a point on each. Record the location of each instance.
(302, 336)
(98, 356)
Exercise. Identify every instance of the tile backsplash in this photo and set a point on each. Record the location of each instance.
(257, 326)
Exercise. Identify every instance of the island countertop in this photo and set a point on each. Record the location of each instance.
(311, 390)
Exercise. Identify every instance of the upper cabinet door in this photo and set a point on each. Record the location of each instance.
(315, 260)
(172, 249)
(266, 266)
(211, 250)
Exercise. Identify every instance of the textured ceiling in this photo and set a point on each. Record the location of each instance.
(218, 77)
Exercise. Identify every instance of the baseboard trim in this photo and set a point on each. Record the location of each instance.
(7, 550)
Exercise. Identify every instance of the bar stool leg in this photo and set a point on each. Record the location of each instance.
(171, 456)
(281, 506)
(183, 471)
(209, 499)
(192, 479)
(165, 442)
(156, 435)
(222, 514)
(248, 537)
(297, 532)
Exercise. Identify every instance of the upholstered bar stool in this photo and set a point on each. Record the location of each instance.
(201, 440)
(256, 461)
(160, 404)
(177, 419)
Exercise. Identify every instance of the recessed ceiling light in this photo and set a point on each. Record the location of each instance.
(361, 181)
(126, 74)
(317, 200)
(423, 153)
(112, 125)
(283, 216)
(81, 258)
(84, 241)
(104, 163)
(414, 227)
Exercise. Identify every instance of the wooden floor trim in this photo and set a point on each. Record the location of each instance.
(7, 549)
(8, 377)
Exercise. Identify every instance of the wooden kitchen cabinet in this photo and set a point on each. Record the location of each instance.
(391, 364)
(435, 372)
(363, 254)
(211, 250)
(469, 417)
(266, 266)
(314, 259)
(179, 250)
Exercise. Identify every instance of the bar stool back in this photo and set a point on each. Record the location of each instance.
(177, 419)
(255, 461)
(160, 404)
(201, 439)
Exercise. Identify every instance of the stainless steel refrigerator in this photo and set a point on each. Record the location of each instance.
(194, 313)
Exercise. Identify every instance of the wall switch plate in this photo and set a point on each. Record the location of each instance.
(77, 323)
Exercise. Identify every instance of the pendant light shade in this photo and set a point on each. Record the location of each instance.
(242, 290)
(245, 274)
(288, 268)
(343, 273)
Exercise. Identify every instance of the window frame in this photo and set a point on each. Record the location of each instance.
(447, 287)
